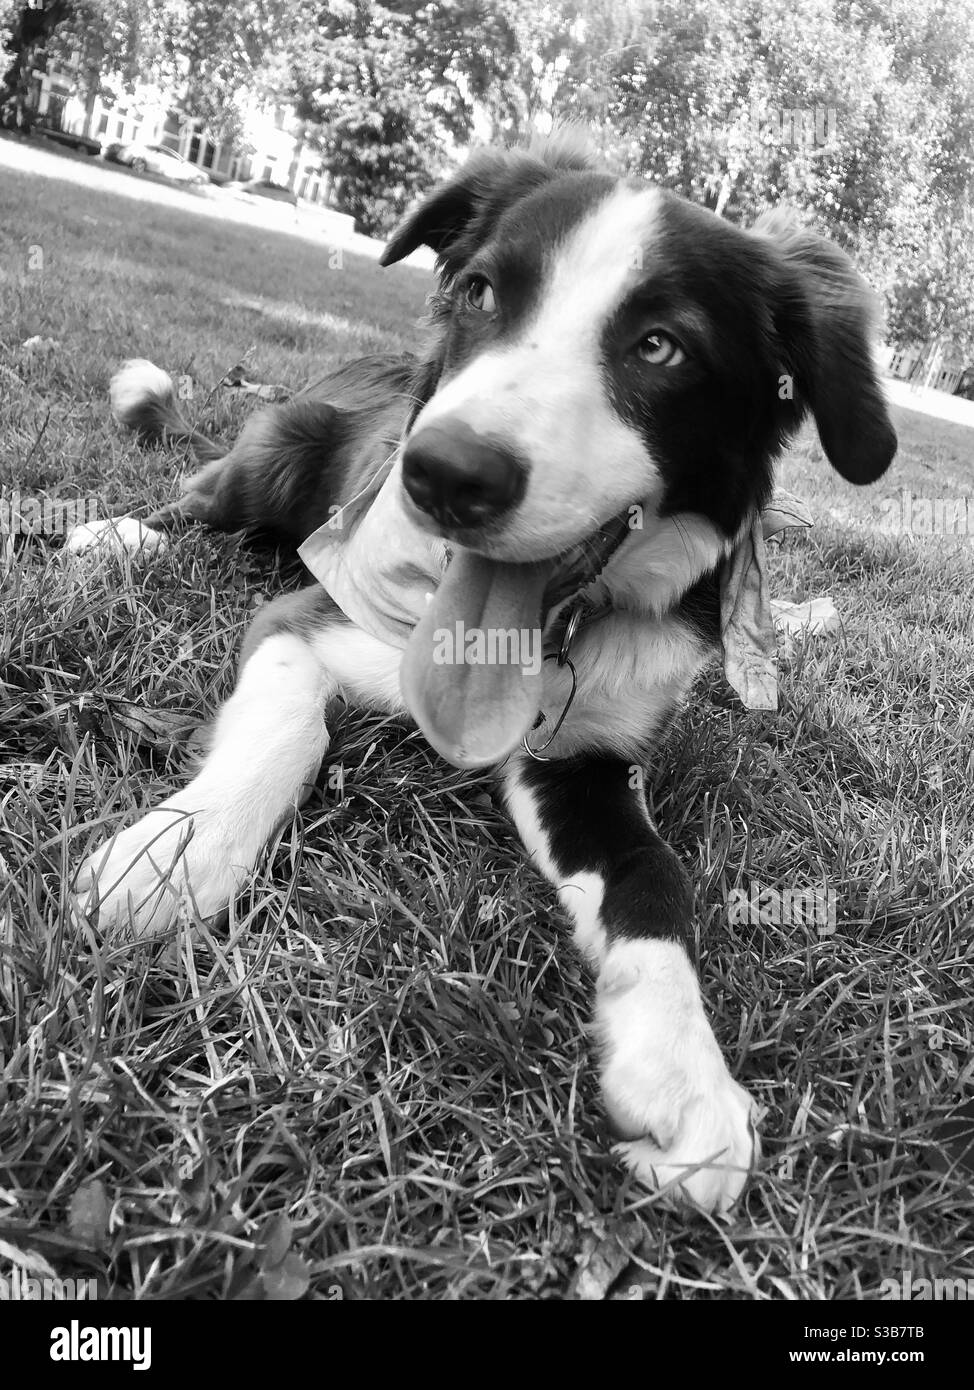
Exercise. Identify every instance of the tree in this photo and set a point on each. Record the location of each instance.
(222, 54)
(210, 55)
(380, 128)
(506, 60)
(27, 29)
(859, 112)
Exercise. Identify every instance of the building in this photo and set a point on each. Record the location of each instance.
(273, 144)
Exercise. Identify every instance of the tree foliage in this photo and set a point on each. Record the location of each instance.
(380, 125)
(206, 53)
(26, 30)
(699, 95)
(702, 95)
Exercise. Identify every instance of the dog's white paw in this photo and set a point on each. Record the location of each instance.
(689, 1126)
(177, 856)
(114, 535)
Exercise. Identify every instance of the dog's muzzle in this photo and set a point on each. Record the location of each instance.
(461, 478)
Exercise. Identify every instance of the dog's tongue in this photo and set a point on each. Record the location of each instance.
(473, 689)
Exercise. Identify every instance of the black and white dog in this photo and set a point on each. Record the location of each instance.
(601, 350)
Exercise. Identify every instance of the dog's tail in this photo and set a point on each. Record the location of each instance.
(143, 398)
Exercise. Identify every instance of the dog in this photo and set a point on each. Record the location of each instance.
(576, 458)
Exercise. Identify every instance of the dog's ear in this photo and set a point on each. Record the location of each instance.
(828, 318)
(461, 212)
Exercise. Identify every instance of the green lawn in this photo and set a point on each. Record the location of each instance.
(388, 1045)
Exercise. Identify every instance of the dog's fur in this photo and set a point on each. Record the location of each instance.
(560, 364)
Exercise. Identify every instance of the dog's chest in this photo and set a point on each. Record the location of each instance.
(631, 671)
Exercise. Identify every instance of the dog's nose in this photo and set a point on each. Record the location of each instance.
(459, 477)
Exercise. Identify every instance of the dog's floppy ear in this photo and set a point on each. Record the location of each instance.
(827, 316)
(460, 213)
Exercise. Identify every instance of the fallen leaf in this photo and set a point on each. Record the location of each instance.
(604, 1261)
(816, 615)
(277, 1240)
(236, 381)
(793, 621)
(158, 727)
(40, 347)
(88, 1214)
(287, 1281)
(284, 1274)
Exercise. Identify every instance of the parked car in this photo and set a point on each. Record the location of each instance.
(264, 188)
(965, 387)
(67, 137)
(156, 159)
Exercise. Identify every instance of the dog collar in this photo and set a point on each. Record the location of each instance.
(747, 629)
(576, 616)
(583, 565)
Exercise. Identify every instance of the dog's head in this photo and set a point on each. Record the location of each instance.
(603, 342)
(603, 345)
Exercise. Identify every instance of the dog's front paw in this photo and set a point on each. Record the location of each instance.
(688, 1126)
(175, 855)
(114, 535)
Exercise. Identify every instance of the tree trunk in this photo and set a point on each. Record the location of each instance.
(31, 30)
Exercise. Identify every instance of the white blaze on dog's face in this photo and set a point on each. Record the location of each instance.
(603, 343)
(530, 376)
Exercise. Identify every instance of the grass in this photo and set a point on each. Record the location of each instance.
(377, 1081)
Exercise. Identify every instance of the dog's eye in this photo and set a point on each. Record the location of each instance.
(660, 350)
(480, 294)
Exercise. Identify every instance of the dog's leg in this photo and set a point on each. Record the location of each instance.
(666, 1087)
(289, 469)
(267, 746)
(283, 474)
